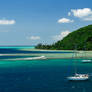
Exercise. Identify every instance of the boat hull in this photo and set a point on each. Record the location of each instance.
(86, 61)
(77, 79)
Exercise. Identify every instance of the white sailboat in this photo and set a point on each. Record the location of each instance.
(86, 60)
(76, 76)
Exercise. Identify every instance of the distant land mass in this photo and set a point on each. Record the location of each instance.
(81, 38)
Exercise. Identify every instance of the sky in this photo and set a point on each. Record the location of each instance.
(29, 22)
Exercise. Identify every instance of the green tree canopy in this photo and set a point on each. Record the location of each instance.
(81, 38)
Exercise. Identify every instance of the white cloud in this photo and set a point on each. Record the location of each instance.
(65, 20)
(88, 18)
(7, 22)
(69, 13)
(61, 35)
(84, 14)
(34, 38)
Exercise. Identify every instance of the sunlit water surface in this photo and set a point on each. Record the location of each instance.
(48, 75)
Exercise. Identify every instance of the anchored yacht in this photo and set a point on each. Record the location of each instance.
(87, 61)
(76, 76)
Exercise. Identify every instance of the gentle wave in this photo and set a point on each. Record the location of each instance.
(29, 58)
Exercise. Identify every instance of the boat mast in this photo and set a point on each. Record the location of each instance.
(75, 61)
(85, 52)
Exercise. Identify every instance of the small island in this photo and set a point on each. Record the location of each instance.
(82, 38)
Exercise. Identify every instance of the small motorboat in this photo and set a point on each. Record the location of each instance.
(86, 61)
(78, 77)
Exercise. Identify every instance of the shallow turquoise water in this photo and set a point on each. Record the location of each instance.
(17, 47)
(42, 76)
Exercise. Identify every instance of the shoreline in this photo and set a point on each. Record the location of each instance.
(81, 54)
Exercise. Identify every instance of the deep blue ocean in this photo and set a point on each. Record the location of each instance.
(41, 75)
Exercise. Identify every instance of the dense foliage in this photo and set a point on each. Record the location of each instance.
(82, 38)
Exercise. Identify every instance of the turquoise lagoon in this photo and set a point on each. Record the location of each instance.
(42, 75)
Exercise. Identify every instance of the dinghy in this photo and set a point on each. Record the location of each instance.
(86, 61)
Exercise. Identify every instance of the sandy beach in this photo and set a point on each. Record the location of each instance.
(80, 54)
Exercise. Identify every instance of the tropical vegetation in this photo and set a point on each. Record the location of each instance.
(79, 39)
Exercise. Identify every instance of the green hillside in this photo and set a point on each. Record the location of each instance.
(82, 38)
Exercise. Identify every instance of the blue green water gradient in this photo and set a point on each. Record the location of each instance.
(17, 47)
(47, 75)
(42, 76)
